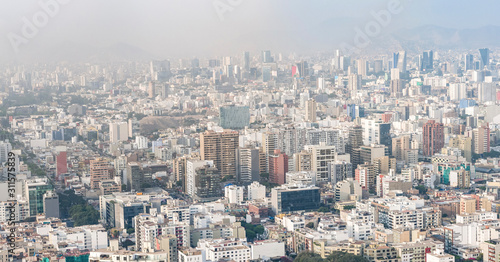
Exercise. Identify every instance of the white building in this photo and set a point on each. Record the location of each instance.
(487, 92)
(86, 237)
(292, 223)
(141, 142)
(191, 166)
(307, 178)
(234, 194)
(439, 258)
(321, 156)
(191, 255)
(118, 132)
(234, 250)
(474, 217)
(5, 148)
(267, 249)
(256, 191)
(457, 91)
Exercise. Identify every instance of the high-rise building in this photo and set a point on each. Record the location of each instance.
(491, 250)
(266, 57)
(34, 191)
(191, 166)
(481, 139)
(457, 91)
(377, 132)
(151, 90)
(288, 199)
(397, 86)
(234, 117)
(354, 142)
(399, 61)
(365, 175)
(51, 204)
(362, 67)
(303, 161)
(395, 74)
(487, 92)
(428, 60)
(485, 57)
(378, 66)
(100, 169)
(433, 137)
(246, 61)
(256, 191)
(160, 70)
(464, 144)
(61, 163)
(5, 148)
(467, 205)
(469, 62)
(266, 73)
(278, 167)
(118, 132)
(220, 147)
(233, 194)
(179, 170)
(402, 62)
(303, 68)
(399, 146)
(321, 156)
(207, 184)
(354, 82)
(248, 165)
(340, 171)
(311, 110)
(168, 243)
(460, 178)
(368, 154)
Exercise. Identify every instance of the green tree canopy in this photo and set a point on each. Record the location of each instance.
(84, 215)
(334, 257)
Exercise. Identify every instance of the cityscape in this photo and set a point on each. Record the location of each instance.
(375, 145)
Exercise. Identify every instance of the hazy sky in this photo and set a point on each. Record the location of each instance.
(187, 28)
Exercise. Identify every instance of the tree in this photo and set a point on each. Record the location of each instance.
(84, 215)
(310, 225)
(421, 189)
(323, 210)
(349, 207)
(333, 257)
(130, 230)
(127, 243)
(68, 199)
(259, 229)
(345, 257)
(308, 257)
(250, 235)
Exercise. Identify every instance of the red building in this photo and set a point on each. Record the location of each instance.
(260, 210)
(61, 163)
(386, 118)
(278, 166)
(433, 137)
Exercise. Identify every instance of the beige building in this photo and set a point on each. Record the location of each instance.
(311, 107)
(220, 147)
(467, 205)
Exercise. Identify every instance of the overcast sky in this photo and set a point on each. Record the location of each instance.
(187, 28)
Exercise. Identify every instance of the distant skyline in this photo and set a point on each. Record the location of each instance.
(194, 28)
